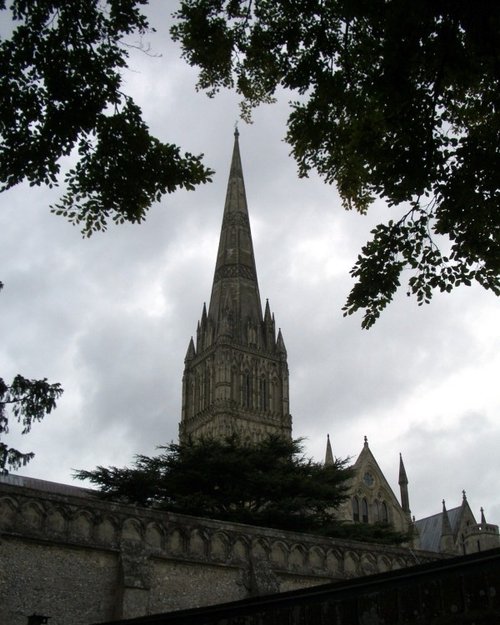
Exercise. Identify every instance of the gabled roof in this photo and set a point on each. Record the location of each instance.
(365, 458)
(430, 528)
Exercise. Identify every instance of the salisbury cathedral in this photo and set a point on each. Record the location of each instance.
(236, 382)
(78, 559)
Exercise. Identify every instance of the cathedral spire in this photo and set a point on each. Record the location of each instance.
(235, 299)
(236, 373)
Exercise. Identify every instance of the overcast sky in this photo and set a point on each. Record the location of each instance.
(110, 317)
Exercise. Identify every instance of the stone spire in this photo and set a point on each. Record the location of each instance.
(235, 300)
(403, 486)
(236, 374)
(190, 351)
(446, 544)
(329, 453)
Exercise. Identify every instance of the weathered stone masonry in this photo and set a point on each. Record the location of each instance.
(81, 560)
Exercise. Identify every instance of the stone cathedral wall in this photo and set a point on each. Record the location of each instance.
(81, 560)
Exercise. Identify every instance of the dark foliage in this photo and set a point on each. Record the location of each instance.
(60, 87)
(270, 484)
(29, 401)
(397, 100)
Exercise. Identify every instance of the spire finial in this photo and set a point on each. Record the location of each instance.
(464, 496)
(366, 441)
(236, 131)
(483, 518)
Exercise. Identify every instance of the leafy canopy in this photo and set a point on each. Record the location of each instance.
(270, 484)
(61, 92)
(29, 401)
(397, 100)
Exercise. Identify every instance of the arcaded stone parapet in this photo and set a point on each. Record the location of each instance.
(98, 560)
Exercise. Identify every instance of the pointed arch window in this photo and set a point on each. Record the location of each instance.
(376, 510)
(234, 384)
(197, 393)
(384, 513)
(207, 388)
(355, 509)
(263, 403)
(246, 390)
(364, 510)
(274, 394)
(192, 398)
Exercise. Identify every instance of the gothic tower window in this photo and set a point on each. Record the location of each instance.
(234, 384)
(275, 395)
(376, 509)
(364, 510)
(207, 388)
(263, 394)
(197, 393)
(246, 390)
(355, 509)
(385, 515)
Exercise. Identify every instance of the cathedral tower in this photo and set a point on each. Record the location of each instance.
(236, 374)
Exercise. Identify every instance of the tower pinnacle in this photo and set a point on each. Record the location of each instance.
(403, 486)
(329, 452)
(446, 541)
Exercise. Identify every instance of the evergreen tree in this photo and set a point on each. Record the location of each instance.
(270, 484)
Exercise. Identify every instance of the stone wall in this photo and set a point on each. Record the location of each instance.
(458, 591)
(80, 560)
